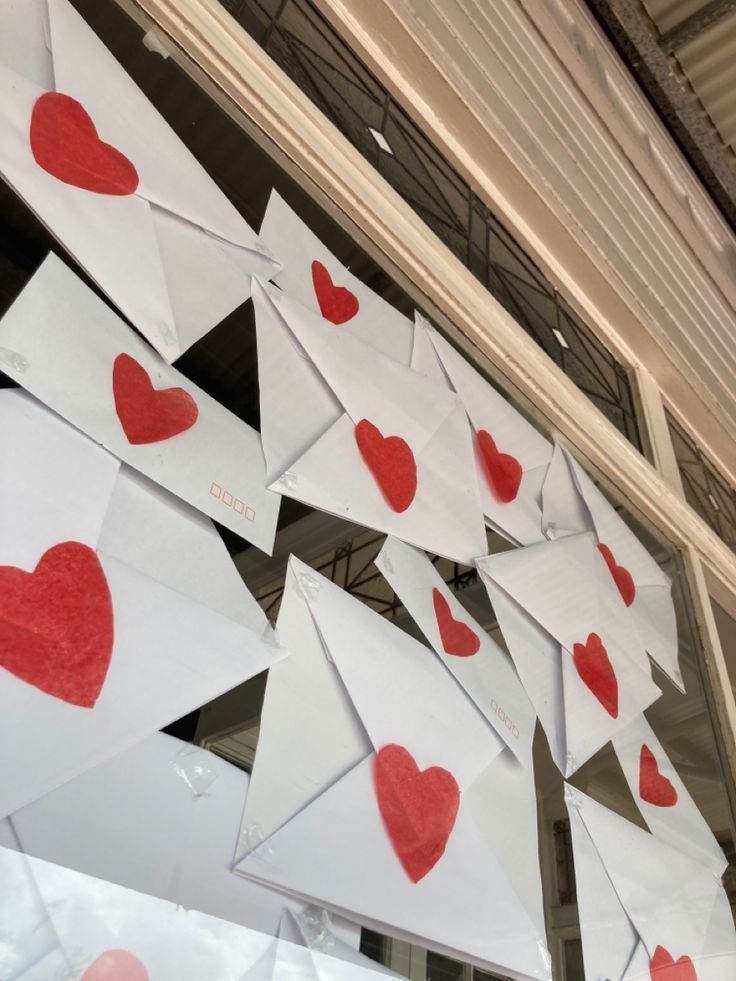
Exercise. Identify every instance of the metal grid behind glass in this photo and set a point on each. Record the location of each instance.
(706, 490)
(306, 47)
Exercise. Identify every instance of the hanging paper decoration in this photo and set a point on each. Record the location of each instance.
(106, 174)
(377, 800)
(120, 609)
(91, 369)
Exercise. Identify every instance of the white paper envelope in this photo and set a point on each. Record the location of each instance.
(388, 797)
(120, 609)
(573, 504)
(644, 906)
(374, 441)
(577, 652)
(478, 664)
(73, 353)
(665, 804)
(511, 457)
(106, 174)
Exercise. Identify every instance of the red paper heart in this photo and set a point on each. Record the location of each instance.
(56, 623)
(663, 967)
(621, 576)
(337, 303)
(654, 788)
(503, 471)
(391, 462)
(64, 142)
(116, 965)
(457, 637)
(593, 666)
(149, 415)
(418, 808)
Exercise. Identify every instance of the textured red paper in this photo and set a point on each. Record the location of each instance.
(116, 965)
(337, 303)
(593, 666)
(64, 142)
(391, 462)
(56, 624)
(457, 637)
(663, 967)
(149, 415)
(654, 788)
(502, 471)
(621, 576)
(418, 808)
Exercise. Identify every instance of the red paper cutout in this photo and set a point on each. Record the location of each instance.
(663, 967)
(593, 666)
(418, 808)
(502, 471)
(654, 788)
(147, 414)
(621, 576)
(56, 623)
(116, 965)
(337, 303)
(64, 142)
(457, 637)
(391, 462)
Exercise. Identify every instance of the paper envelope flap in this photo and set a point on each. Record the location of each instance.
(401, 693)
(55, 483)
(24, 46)
(368, 384)
(324, 738)
(349, 866)
(170, 177)
(373, 320)
(656, 884)
(482, 670)
(566, 587)
(564, 511)
(424, 358)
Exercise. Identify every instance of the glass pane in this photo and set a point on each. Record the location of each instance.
(441, 968)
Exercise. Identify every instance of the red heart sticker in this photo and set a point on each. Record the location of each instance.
(457, 637)
(503, 471)
(149, 415)
(56, 624)
(654, 788)
(592, 664)
(64, 142)
(663, 967)
(116, 965)
(391, 462)
(418, 808)
(337, 303)
(621, 576)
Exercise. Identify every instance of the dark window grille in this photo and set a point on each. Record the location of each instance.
(306, 47)
(706, 490)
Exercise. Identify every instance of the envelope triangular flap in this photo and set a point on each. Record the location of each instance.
(170, 177)
(376, 322)
(324, 738)
(424, 358)
(349, 866)
(368, 384)
(666, 894)
(400, 692)
(488, 677)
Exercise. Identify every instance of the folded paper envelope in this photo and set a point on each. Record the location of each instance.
(66, 347)
(394, 451)
(647, 910)
(101, 168)
(577, 652)
(573, 504)
(120, 609)
(660, 794)
(511, 457)
(477, 663)
(379, 801)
